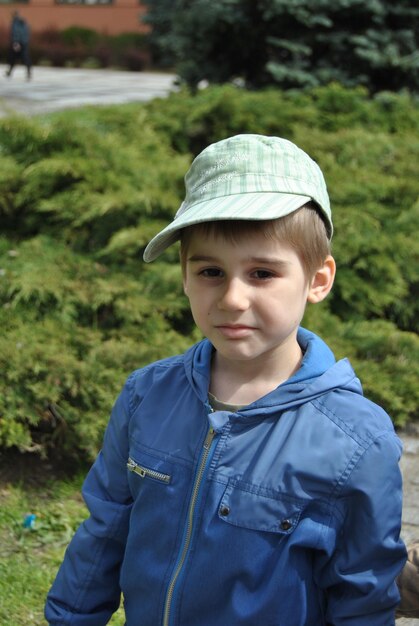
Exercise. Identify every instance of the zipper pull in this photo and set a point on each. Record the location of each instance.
(131, 465)
(134, 467)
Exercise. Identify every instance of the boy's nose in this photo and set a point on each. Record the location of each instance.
(234, 297)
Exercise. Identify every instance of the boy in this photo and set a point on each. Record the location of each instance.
(247, 482)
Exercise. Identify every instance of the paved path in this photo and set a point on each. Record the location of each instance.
(53, 89)
(410, 469)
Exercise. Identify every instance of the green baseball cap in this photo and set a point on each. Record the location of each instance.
(246, 177)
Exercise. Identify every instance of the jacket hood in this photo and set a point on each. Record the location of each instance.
(318, 374)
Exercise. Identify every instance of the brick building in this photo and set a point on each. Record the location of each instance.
(106, 16)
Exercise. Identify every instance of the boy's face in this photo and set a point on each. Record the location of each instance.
(247, 298)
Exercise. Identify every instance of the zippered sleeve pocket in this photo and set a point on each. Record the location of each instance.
(147, 472)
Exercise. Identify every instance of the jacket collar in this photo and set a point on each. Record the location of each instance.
(319, 373)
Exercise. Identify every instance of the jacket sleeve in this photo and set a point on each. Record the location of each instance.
(359, 577)
(86, 590)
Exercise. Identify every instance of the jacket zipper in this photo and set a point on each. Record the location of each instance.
(190, 523)
(145, 471)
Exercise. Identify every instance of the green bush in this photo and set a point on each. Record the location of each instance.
(76, 303)
(78, 35)
(191, 122)
(82, 192)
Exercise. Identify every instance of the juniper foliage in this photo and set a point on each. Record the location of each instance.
(82, 192)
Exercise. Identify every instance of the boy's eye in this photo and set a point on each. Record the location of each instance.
(263, 274)
(211, 272)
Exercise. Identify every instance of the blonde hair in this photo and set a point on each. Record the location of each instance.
(304, 230)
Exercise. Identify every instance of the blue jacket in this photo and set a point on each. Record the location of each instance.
(286, 513)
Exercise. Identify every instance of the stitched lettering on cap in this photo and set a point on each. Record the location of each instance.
(218, 165)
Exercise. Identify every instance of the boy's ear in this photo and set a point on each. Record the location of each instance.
(322, 281)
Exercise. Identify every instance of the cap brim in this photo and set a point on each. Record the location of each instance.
(248, 206)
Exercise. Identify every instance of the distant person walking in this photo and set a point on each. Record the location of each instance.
(19, 44)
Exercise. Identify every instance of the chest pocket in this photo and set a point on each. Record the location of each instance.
(147, 472)
(249, 508)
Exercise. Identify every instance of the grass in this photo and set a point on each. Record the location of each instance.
(29, 558)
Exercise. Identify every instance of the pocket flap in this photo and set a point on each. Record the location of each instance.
(257, 511)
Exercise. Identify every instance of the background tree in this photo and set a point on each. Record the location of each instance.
(159, 16)
(290, 44)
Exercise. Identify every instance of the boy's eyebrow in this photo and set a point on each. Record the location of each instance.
(196, 258)
(263, 260)
(199, 258)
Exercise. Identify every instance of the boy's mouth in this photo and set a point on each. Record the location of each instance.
(235, 331)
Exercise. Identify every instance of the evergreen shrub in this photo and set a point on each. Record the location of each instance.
(82, 192)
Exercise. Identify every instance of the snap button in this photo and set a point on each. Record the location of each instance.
(224, 510)
(286, 524)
